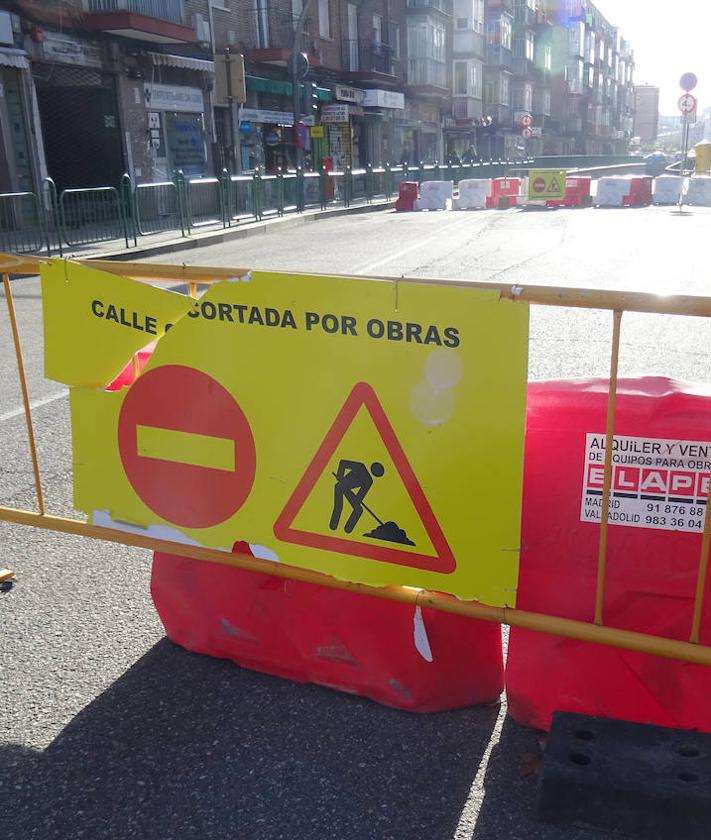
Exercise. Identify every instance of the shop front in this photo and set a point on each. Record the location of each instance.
(18, 166)
(77, 103)
(176, 129)
(346, 132)
(383, 109)
(418, 133)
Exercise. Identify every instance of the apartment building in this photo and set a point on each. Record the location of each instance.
(95, 88)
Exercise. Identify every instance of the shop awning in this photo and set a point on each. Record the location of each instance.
(183, 62)
(277, 87)
(14, 58)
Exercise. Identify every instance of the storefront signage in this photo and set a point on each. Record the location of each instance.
(173, 98)
(349, 94)
(245, 126)
(317, 132)
(66, 49)
(340, 113)
(383, 99)
(334, 114)
(260, 115)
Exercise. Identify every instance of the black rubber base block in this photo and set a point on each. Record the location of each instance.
(640, 780)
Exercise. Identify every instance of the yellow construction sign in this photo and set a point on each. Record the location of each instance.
(371, 430)
(545, 184)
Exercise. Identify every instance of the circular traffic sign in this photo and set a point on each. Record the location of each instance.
(190, 418)
(539, 185)
(526, 120)
(688, 81)
(527, 133)
(687, 103)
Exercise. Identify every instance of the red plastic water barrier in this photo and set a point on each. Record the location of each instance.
(126, 376)
(504, 193)
(342, 640)
(577, 193)
(651, 573)
(407, 196)
(640, 194)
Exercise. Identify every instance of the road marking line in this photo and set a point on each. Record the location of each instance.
(414, 247)
(469, 815)
(8, 415)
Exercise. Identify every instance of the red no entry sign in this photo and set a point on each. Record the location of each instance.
(539, 185)
(197, 462)
(687, 103)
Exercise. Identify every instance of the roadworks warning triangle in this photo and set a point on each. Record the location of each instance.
(323, 463)
(554, 186)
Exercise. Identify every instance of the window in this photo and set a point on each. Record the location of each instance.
(523, 97)
(505, 90)
(377, 30)
(530, 45)
(324, 21)
(395, 38)
(461, 78)
(468, 78)
(478, 15)
(498, 32)
(296, 7)
(462, 23)
(262, 23)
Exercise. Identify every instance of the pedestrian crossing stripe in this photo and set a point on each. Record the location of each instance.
(389, 541)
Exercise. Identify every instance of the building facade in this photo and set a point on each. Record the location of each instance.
(646, 113)
(90, 89)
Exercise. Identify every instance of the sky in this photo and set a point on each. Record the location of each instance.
(668, 39)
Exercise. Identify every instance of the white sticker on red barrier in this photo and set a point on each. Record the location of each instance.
(656, 482)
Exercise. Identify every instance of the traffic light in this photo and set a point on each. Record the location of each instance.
(309, 99)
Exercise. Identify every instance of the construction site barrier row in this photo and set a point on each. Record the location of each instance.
(591, 623)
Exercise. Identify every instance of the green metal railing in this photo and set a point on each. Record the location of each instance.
(22, 224)
(49, 220)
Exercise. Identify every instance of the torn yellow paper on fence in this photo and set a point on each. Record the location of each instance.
(95, 321)
(369, 430)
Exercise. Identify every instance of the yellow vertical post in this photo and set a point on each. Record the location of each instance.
(607, 476)
(702, 573)
(25, 393)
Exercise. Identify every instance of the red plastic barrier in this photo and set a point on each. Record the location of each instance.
(407, 196)
(309, 633)
(504, 193)
(640, 194)
(126, 376)
(577, 193)
(651, 573)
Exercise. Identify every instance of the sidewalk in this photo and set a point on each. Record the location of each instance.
(168, 242)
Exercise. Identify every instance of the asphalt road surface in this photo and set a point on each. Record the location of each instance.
(107, 730)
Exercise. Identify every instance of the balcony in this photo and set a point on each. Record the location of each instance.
(274, 33)
(465, 109)
(523, 68)
(500, 6)
(444, 7)
(573, 124)
(365, 60)
(499, 57)
(156, 21)
(502, 115)
(524, 15)
(468, 42)
(428, 77)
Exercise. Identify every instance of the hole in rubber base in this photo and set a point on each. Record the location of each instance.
(580, 759)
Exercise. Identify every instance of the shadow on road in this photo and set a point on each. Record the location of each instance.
(183, 746)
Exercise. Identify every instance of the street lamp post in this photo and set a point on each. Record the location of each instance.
(295, 52)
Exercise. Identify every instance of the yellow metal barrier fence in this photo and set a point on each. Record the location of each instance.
(615, 302)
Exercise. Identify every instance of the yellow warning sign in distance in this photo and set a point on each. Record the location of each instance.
(367, 429)
(545, 184)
